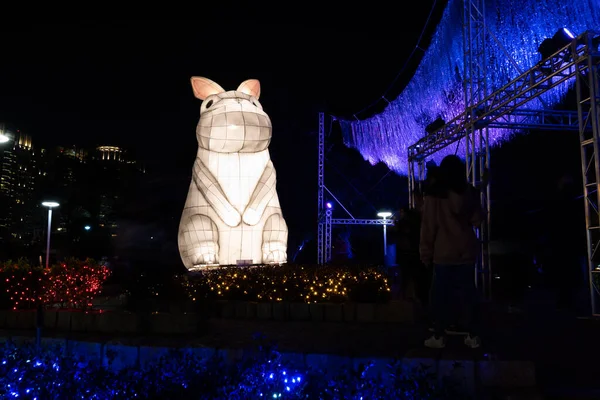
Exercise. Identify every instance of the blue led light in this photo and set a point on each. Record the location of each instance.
(29, 372)
(519, 26)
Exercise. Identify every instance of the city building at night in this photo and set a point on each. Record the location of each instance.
(19, 175)
(92, 185)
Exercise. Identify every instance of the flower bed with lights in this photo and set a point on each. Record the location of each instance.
(297, 292)
(287, 292)
(71, 284)
(164, 304)
(53, 373)
(291, 283)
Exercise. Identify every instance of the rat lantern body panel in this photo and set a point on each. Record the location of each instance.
(232, 210)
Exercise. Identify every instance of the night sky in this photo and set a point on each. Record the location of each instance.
(127, 83)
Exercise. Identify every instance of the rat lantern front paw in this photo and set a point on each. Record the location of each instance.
(205, 254)
(274, 252)
(251, 216)
(275, 257)
(232, 218)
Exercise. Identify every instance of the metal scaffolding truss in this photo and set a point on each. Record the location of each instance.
(454, 131)
(321, 193)
(477, 154)
(325, 219)
(348, 221)
(587, 70)
(577, 61)
(517, 119)
(505, 102)
(538, 119)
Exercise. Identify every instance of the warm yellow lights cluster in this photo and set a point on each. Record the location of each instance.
(290, 284)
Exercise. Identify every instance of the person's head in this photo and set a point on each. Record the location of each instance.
(432, 172)
(452, 173)
(403, 212)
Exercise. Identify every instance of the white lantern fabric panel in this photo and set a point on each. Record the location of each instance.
(232, 212)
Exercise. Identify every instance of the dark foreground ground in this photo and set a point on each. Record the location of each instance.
(564, 348)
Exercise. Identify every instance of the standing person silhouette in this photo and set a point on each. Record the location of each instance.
(451, 210)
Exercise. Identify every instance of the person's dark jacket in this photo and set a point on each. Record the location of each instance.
(447, 235)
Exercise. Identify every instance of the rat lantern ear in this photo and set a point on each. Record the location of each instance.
(250, 87)
(204, 87)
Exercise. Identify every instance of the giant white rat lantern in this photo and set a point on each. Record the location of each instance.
(232, 213)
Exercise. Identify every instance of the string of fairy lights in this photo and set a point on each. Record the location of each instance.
(76, 285)
(294, 283)
(72, 284)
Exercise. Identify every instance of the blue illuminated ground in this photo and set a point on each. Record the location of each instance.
(537, 336)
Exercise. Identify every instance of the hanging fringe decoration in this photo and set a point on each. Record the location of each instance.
(436, 88)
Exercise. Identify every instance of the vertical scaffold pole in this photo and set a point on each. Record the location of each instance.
(476, 138)
(321, 192)
(328, 226)
(420, 176)
(416, 176)
(588, 109)
(411, 182)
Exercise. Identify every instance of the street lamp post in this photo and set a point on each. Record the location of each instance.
(384, 215)
(50, 205)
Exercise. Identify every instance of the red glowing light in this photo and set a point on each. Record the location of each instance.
(73, 286)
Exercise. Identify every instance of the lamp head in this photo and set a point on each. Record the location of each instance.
(6, 136)
(50, 204)
(384, 214)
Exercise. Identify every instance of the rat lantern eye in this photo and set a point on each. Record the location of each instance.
(209, 104)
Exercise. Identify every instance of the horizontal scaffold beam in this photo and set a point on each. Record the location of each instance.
(350, 221)
(538, 119)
